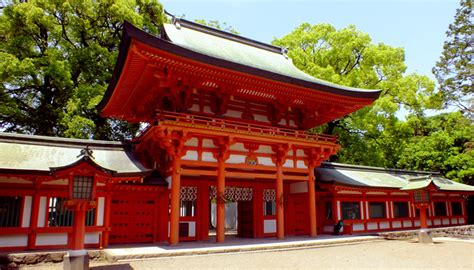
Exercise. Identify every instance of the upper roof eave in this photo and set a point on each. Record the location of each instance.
(130, 33)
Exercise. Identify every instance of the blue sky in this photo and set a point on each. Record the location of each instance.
(419, 26)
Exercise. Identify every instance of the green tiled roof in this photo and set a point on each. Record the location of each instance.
(40, 153)
(364, 176)
(237, 51)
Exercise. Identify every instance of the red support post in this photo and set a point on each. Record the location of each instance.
(220, 230)
(279, 202)
(175, 199)
(312, 202)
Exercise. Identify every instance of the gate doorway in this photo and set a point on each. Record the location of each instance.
(239, 212)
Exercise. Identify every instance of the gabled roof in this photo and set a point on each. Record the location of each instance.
(375, 177)
(251, 56)
(41, 155)
(206, 54)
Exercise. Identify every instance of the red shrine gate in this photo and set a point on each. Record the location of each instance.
(234, 121)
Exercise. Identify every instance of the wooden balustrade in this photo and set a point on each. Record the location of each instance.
(237, 126)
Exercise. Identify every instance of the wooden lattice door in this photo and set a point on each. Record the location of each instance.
(131, 219)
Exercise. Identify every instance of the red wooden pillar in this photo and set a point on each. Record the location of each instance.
(203, 213)
(107, 209)
(279, 202)
(175, 199)
(220, 224)
(423, 222)
(258, 212)
(34, 220)
(79, 229)
(312, 202)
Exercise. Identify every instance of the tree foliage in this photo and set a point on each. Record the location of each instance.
(375, 135)
(56, 58)
(218, 25)
(455, 68)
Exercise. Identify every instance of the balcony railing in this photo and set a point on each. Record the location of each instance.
(239, 127)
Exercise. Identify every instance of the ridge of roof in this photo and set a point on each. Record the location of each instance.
(61, 141)
(375, 169)
(180, 22)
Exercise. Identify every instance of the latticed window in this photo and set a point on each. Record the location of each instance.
(269, 202)
(82, 187)
(456, 208)
(60, 216)
(400, 209)
(10, 210)
(269, 208)
(440, 209)
(350, 210)
(377, 210)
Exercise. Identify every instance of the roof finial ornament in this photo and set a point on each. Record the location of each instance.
(86, 152)
(176, 22)
(284, 51)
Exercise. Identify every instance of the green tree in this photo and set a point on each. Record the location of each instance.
(56, 58)
(218, 25)
(373, 135)
(455, 68)
(443, 143)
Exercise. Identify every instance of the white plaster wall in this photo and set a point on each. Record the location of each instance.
(445, 221)
(232, 113)
(437, 221)
(42, 212)
(300, 153)
(407, 223)
(195, 107)
(384, 225)
(15, 180)
(288, 163)
(192, 229)
(100, 211)
(16, 240)
(236, 159)
(261, 118)
(429, 222)
(192, 142)
(207, 109)
(208, 143)
(462, 221)
(282, 122)
(269, 226)
(25, 223)
(454, 221)
(265, 149)
(207, 156)
(300, 187)
(238, 147)
(61, 182)
(375, 193)
(358, 227)
(397, 224)
(300, 164)
(348, 192)
(46, 239)
(266, 161)
(338, 204)
(417, 223)
(92, 238)
(292, 123)
(372, 226)
(190, 155)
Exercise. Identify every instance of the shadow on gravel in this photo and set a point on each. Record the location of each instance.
(123, 266)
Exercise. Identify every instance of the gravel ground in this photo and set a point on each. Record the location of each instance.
(368, 255)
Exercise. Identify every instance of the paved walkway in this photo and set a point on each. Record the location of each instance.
(232, 244)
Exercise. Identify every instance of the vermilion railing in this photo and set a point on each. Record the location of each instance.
(237, 126)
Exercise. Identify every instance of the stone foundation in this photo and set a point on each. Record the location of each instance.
(463, 232)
